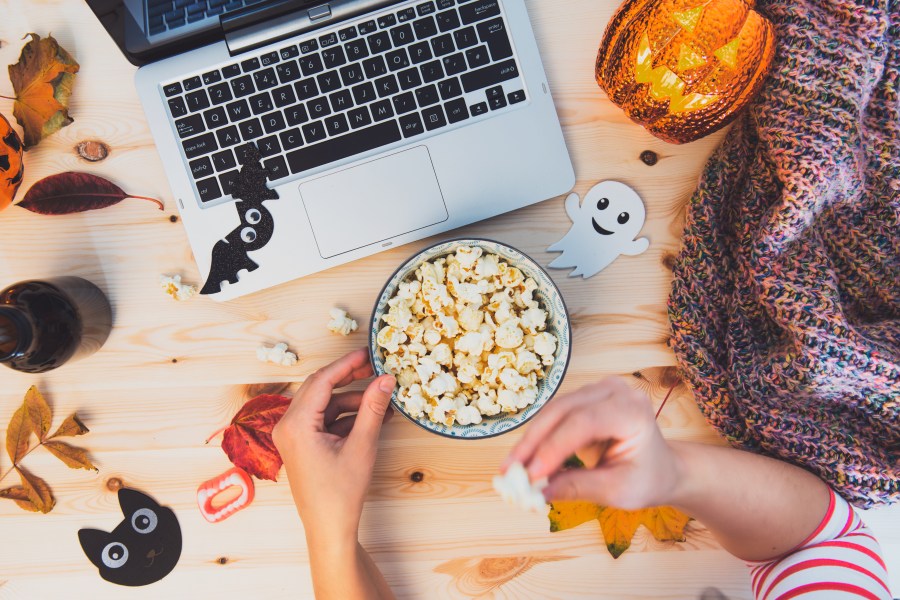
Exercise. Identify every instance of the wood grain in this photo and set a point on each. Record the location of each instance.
(173, 373)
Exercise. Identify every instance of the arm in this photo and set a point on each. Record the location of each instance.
(756, 507)
(329, 455)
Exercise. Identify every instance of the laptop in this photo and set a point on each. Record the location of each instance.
(375, 124)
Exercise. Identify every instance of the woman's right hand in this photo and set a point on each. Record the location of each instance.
(613, 429)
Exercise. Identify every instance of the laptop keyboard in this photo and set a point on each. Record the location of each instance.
(403, 74)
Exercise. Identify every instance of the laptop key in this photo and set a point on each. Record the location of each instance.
(490, 75)
(367, 27)
(397, 59)
(306, 89)
(355, 142)
(172, 89)
(385, 21)
(251, 64)
(290, 139)
(242, 152)
(425, 28)
(352, 74)
(434, 118)
(450, 88)
(407, 14)
(347, 34)
(328, 82)
(404, 103)
(289, 52)
(456, 110)
(177, 107)
(296, 115)
(238, 111)
(494, 34)
(411, 125)
(261, 103)
(516, 96)
(442, 44)
(200, 145)
(478, 11)
(269, 58)
(454, 64)
(192, 83)
(197, 100)
(283, 96)
(231, 71)
(275, 168)
(426, 8)
(333, 57)
(212, 77)
(382, 110)
(327, 40)
(432, 71)
(465, 38)
(477, 57)
(201, 167)
(359, 117)
(227, 181)
(208, 189)
(379, 42)
(228, 136)
(409, 79)
(273, 122)
(311, 64)
(189, 126)
(427, 95)
(265, 79)
(318, 108)
(495, 97)
(224, 160)
(374, 67)
(363, 93)
(242, 86)
(447, 20)
(250, 130)
(309, 46)
(288, 71)
(269, 146)
(215, 117)
(312, 132)
(341, 100)
(386, 86)
(357, 49)
(220, 93)
(478, 109)
(402, 35)
(420, 52)
(336, 124)
(445, 4)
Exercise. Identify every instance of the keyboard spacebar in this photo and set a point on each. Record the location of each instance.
(337, 148)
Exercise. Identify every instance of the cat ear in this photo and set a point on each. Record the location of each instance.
(132, 500)
(92, 542)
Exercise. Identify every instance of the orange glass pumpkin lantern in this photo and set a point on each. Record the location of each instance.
(684, 68)
(11, 168)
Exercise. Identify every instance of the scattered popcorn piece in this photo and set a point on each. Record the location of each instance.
(277, 354)
(516, 490)
(466, 339)
(173, 287)
(341, 322)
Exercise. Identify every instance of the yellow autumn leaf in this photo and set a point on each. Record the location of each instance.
(618, 527)
(566, 515)
(38, 412)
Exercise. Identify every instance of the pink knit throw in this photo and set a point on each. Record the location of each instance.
(785, 308)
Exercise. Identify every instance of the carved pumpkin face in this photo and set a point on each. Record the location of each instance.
(684, 68)
(11, 168)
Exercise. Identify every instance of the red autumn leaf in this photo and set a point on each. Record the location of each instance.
(248, 440)
(71, 192)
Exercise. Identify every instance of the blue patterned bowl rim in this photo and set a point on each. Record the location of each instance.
(551, 299)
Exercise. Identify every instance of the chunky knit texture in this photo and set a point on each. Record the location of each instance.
(785, 308)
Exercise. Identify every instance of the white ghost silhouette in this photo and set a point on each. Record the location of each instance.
(603, 227)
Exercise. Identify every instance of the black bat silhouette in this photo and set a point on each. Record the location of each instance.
(229, 255)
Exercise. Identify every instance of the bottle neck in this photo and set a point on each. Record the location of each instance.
(15, 333)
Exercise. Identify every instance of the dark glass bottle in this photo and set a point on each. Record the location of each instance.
(44, 324)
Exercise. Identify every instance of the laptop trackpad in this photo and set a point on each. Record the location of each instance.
(374, 201)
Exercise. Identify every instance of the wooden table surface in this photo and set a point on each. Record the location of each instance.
(172, 373)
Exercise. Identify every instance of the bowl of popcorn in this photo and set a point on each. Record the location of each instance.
(477, 335)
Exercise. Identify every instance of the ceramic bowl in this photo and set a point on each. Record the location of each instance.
(557, 323)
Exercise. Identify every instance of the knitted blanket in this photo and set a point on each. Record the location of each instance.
(785, 308)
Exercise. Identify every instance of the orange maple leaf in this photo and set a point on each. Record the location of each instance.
(42, 80)
(619, 526)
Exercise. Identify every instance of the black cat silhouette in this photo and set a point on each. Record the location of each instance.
(142, 549)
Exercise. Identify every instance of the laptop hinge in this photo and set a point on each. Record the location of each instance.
(261, 24)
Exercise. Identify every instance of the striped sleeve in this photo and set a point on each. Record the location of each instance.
(839, 560)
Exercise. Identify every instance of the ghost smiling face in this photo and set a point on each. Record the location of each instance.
(603, 227)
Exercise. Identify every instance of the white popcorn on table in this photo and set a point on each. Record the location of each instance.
(516, 489)
(466, 339)
(173, 287)
(341, 322)
(277, 354)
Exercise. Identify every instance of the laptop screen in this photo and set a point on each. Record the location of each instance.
(148, 30)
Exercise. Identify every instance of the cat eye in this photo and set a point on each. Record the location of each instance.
(602, 203)
(114, 555)
(622, 218)
(144, 520)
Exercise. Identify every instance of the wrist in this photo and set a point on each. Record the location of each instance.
(686, 475)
